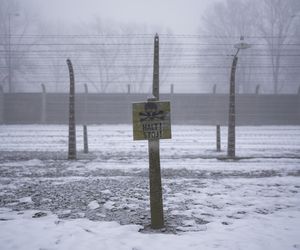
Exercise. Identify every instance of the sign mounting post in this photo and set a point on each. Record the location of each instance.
(156, 200)
(151, 121)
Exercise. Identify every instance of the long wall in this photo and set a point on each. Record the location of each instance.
(203, 109)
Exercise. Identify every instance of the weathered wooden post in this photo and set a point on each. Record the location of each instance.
(85, 133)
(43, 108)
(1, 105)
(151, 121)
(156, 201)
(72, 125)
(231, 117)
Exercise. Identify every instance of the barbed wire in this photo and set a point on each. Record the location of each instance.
(147, 35)
(193, 55)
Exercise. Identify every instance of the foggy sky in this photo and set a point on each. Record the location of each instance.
(181, 16)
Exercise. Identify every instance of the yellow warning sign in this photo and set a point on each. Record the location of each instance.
(151, 120)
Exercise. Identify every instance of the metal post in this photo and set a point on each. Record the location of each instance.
(231, 117)
(43, 111)
(299, 90)
(218, 139)
(72, 126)
(156, 201)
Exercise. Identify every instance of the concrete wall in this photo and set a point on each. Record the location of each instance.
(204, 109)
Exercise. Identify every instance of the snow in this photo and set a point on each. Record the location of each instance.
(26, 200)
(93, 205)
(106, 191)
(274, 231)
(29, 163)
(109, 205)
(101, 201)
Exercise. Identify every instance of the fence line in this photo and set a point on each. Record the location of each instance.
(203, 109)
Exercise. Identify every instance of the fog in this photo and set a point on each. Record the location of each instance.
(179, 15)
(111, 45)
(200, 96)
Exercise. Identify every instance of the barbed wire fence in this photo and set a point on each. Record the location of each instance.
(117, 63)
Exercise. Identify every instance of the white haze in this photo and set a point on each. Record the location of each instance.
(181, 16)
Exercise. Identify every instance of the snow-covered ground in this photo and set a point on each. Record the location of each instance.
(101, 201)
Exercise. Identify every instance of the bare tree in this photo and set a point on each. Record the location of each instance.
(294, 58)
(102, 52)
(275, 22)
(139, 57)
(120, 55)
(135, 57)
(55, 45)
(269, 25)
(224, 23)
(8, 10)
(14, 44)
(170, 56)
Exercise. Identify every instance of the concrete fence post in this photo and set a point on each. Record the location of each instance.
(85, 140)
(85, 110)
(172, 88)
(215, 119)
(72, 125)
(215, 89)
(128, 89)
(256, 106)
(43, 108)
(257, 88)
(85, 104)
(1, 105)
(218, 139)
(231, 113)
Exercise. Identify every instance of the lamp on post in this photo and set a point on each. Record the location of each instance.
(231, 116)
(10, 88)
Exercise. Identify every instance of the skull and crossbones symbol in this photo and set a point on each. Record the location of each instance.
(151, 113)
